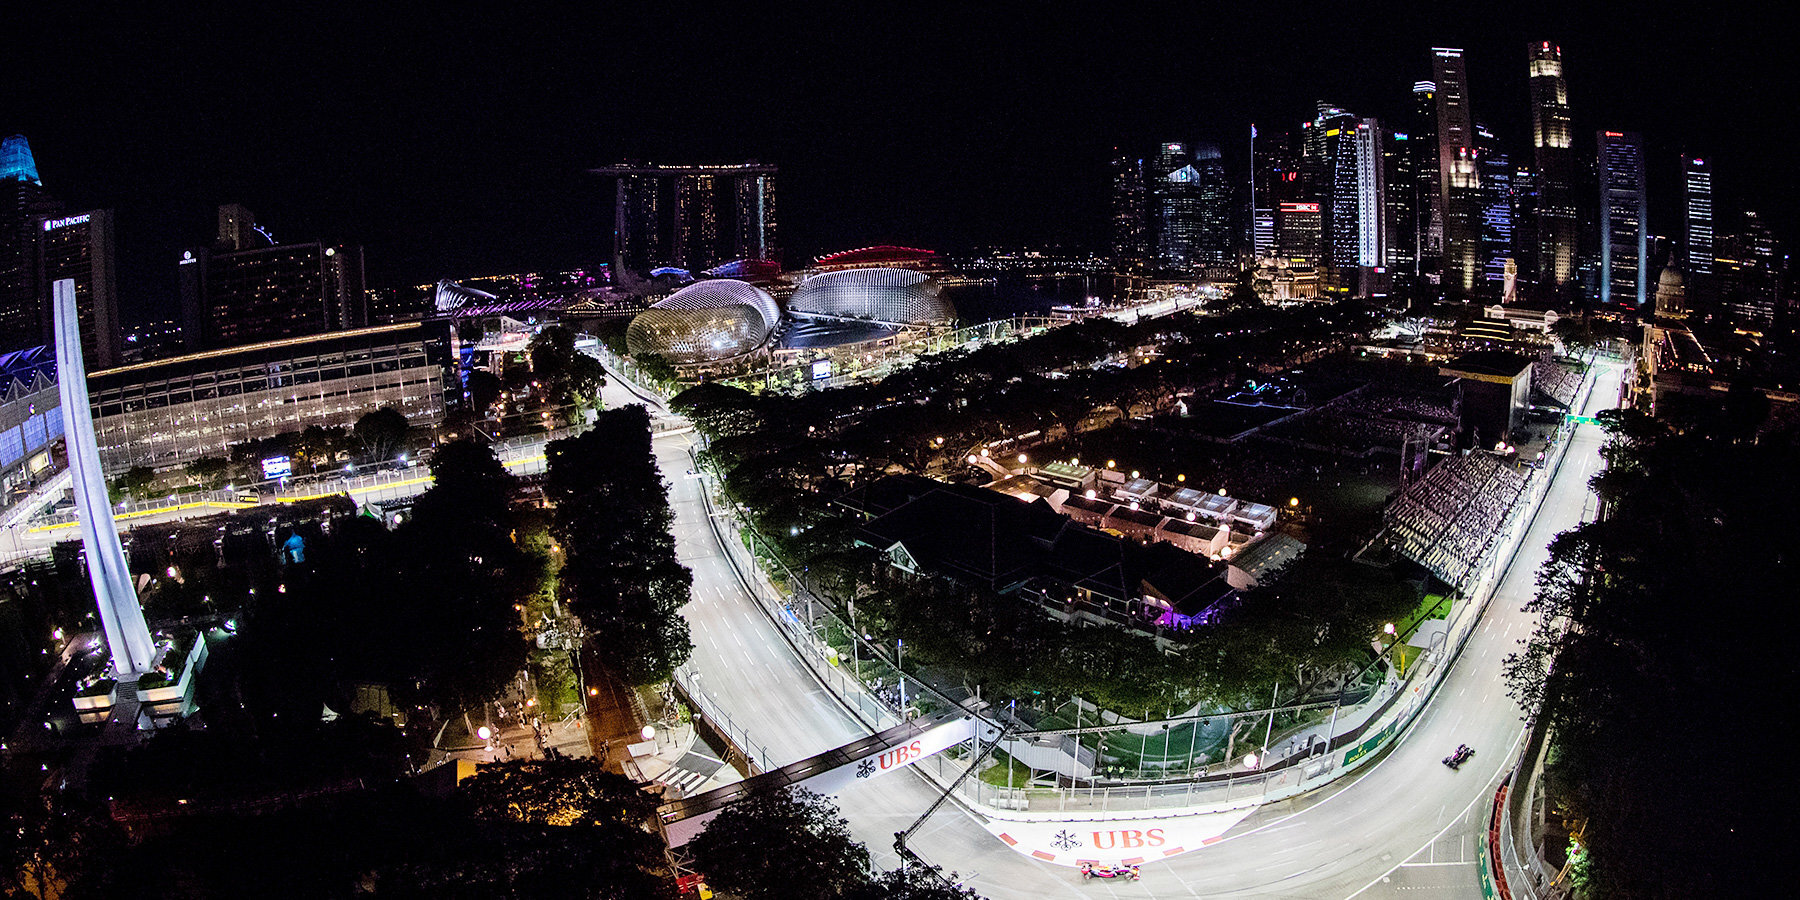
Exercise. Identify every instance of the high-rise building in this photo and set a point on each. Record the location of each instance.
(1554, 223)
(1276, 180)
(40, 244)
(1497, 204)
(1355, 230)
(1130, 237)
(755, 217)
(1299, 231)
(1624, 220)
(1175, 200)
(1428, 203)
(1399, 184)
(80, 248)
(1215, 245)
(23, 204)
(251, 289)
(1697, 216)
(1749, 271)
(1458, 179)
(691, 216)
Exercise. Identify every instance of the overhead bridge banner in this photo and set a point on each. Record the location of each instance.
(894, 757)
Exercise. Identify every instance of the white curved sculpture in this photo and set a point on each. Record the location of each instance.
(127, 636)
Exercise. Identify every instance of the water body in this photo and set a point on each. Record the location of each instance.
(1023, 295)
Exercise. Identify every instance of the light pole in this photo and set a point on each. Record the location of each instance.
(900, 667)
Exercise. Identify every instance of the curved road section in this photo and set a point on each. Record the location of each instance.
(1343, 841)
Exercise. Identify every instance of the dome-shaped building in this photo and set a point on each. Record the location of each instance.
(1671, 293)
(892, 296)
(706, 321)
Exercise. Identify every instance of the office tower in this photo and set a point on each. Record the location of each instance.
(690, 216)
(1497, 202)
(1276, 179)
(1399, 187)
(264, 290)
(1624, 221)
(1458, 178)
(79, 249)
(1748, 272)
(1214, 243)
(1174, 205)
(1697, 215)
(1554, 222)
(1524, 218)
(1130, 232)
(1355, 231)
(1428, 202)
(1299, 231)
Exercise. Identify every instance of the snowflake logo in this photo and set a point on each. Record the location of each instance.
(1065, 841)
(865, 768)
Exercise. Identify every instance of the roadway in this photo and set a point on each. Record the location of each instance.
(1345, 841)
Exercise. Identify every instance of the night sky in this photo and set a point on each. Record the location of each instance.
(454, 144)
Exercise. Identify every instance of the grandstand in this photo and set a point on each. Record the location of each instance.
(1559, 381)
(1446, 520)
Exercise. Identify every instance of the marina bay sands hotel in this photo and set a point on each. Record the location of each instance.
(691, 217)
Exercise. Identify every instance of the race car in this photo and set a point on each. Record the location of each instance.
(1098, 870)
(1462, 754)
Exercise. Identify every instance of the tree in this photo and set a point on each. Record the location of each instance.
(620, 575)
(208, 471)
(1642, 651)
(568, 377)
(50, 844)
(911, 883)
(656, 367)
(781, 843)
(555, 792)
(460, 574)
(381, 433)
(484, 391)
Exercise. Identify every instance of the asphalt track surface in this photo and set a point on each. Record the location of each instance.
(1348, 840)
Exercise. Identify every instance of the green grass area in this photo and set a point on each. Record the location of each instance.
(997, 769)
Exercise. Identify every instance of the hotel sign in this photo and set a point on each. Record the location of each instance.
(53, 224)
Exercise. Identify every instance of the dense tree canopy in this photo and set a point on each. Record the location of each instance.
(620, 574)
(1661, 638)
(781, 844)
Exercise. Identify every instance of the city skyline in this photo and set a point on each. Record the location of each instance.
(950, 158)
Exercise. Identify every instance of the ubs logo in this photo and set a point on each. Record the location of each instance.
(901, 755)
(1128, 837)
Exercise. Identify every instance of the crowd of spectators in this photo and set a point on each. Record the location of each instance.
(1556, 380)
(1380, 416)
(1446, 520)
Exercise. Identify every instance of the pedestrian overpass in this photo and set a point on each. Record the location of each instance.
(832, 771)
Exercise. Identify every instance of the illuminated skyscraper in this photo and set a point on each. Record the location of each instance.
(1458, 178)
(1428, 203)
(1553, 212)
(692, 216)
(1214, 243)
(1276, 174)
(1497, 204)
(1399, 185)
(1355, 217)
(1698, 216)
(1175, 205)
(79, 248)
(1624, 220)
(23, 204)
(1130, 237)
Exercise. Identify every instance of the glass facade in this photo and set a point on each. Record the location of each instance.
(174, 411)
(706, 321)
(893, 296)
